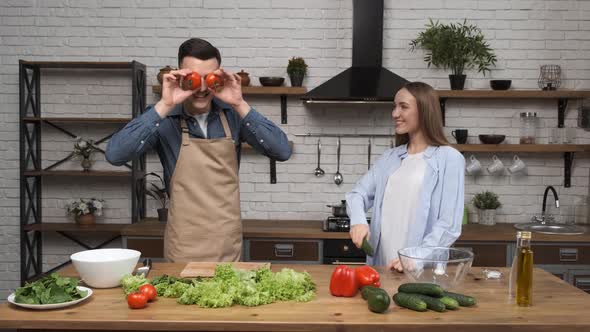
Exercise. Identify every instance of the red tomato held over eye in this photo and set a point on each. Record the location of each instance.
(191, 81)
(137, 300)
(150, 291)
(214, 82)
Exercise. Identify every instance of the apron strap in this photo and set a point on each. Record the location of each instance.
(185, 137)
(225, 125)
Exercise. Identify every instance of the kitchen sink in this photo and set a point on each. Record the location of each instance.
(548, 228)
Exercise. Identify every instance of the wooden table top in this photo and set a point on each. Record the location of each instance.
(312, 229)
(558, 306)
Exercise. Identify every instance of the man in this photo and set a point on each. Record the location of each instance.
(197, 135)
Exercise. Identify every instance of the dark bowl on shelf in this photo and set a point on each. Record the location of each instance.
(492, 139)
(271, 80)
(500, 84)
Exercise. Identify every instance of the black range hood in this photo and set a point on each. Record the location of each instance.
(366, 81)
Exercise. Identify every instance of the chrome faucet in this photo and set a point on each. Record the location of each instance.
(543, 217)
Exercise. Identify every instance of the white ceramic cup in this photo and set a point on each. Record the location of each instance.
(474, 165)
(517, 165)
(496, 166)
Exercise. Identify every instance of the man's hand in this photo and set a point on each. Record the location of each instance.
(232, 91)
(172, 93)
(358, 233)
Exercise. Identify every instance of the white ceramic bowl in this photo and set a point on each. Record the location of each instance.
(104, 268)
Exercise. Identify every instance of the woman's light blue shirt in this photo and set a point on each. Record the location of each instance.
(438, 220)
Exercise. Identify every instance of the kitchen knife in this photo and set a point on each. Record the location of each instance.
(145, 269)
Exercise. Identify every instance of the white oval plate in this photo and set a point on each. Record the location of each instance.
(53, 305)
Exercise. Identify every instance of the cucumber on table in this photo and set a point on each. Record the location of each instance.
(432, 303)
(449, 302)
(409, 301)
(378, 300)
(463, 300)
(421, 288)
(366, 290)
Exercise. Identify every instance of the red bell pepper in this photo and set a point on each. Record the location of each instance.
(366, 275)
(343, 282)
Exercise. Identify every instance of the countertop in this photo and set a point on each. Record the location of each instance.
(312, 229)
(558, 306)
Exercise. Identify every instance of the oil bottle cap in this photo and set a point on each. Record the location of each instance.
(524, 235)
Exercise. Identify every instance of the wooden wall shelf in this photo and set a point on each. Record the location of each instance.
(522, 148)
(80, 173)
(508, 94)
(76, 120)
(79, 64)
(562, 97)
(73, 227)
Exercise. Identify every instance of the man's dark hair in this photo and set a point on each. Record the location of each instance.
(198, 48)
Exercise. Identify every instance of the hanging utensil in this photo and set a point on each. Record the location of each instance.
(319, 171)
(369, 155)
(338, 177)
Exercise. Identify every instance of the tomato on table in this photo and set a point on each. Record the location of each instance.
(137, 300)
(150, 291)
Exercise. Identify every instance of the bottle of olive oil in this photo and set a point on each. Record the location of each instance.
(524, 270)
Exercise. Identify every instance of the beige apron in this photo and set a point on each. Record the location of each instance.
(204, 216)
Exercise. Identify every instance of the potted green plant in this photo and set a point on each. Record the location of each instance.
(85, 211)
(159, 193)
(455, 46)
(297, 69)
(486, 203)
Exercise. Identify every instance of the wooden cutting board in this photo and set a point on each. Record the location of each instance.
(207, 269)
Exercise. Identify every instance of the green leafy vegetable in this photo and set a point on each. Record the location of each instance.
(250, 288)
(132, 283)
(49, 289)
(170, 286)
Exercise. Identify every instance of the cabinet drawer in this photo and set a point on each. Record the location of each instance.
(582, 282)
(562, 254)
(288, 250)
(485, 254)
(149, 247)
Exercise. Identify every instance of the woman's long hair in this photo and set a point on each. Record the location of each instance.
(429, 115)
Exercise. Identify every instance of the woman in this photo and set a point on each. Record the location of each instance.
(415, 189)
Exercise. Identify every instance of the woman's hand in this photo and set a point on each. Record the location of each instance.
(395, 265)
(358, 233)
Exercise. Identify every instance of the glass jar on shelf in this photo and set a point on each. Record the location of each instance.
(529, 122)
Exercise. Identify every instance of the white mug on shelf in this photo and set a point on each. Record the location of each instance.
(517, 165)
(496, 166)
(474, 166)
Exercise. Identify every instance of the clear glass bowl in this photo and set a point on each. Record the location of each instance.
(443, 266)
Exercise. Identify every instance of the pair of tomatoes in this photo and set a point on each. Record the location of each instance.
(140, 298)
(193, 81)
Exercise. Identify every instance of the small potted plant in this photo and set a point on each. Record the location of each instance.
(297, 69)
(458, 47)
(85, 211)
(84, 149)
(486, 203)
(158, 193)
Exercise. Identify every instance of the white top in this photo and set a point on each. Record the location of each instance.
(202, 120)
(400, 204)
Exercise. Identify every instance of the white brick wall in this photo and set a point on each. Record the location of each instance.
(259, 36)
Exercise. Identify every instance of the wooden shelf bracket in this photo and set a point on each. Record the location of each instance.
(561, 108)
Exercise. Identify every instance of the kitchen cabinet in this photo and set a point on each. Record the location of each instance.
(283, 251)
(486, 254)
